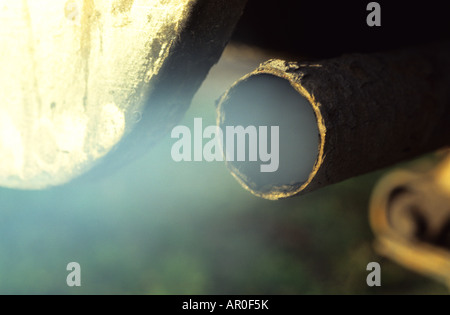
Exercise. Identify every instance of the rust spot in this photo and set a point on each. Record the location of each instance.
(121, 6)
(88, 19)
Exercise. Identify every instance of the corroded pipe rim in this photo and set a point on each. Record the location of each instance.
(280, 69)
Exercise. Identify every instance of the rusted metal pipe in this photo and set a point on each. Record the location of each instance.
(369, 111)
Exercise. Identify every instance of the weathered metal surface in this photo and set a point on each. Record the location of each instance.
(371, 111)
(78, 76)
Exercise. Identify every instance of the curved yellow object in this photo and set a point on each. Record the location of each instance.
(422, 257)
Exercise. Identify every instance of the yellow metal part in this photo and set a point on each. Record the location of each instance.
(398, 242)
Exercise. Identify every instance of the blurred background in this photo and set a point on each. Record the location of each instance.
(160, 227)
